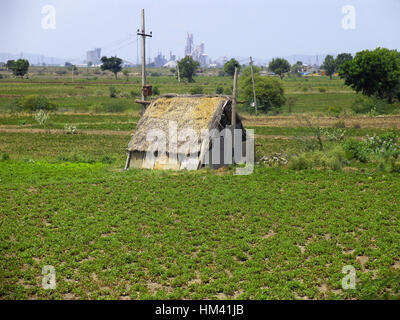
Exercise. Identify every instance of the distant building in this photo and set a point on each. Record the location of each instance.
(196, 52)
(170, 64)
(159, 60)
(93, 56)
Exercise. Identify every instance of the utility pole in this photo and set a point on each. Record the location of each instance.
(144, 35)
(179, 74)
(254, 87)
(234, 102)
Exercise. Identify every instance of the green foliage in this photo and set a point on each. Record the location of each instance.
(335, 111)
(70, 129)
(374, 72)
(229, 67)
(333, 159)
(187, 68)
(269, 92)
(341, 59)
(333, 134)
(112, 64)
(368, 105)
(42, 117)
(356, 150)
(10, 64)
(279, 66)
(5, 157)
(156, 91)
(20, 67)
(330, 65)
(114, 107)
(125, 72)
(113, 92)
(219, 90)
(33, 103)
(196, 90)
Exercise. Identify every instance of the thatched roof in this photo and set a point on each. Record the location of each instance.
(195, 112)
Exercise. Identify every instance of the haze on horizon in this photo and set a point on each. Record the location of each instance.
(239, 28)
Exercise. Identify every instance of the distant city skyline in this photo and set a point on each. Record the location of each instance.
(236, 28)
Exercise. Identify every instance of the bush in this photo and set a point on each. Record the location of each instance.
(5, 157)
(34, 103)
(334, 159)
(322, 90)
(269, 91)
(219, 90)
(113, 92)
(196, 90)
(356, 150)
(156, 91)
(70, 129)
(228, 90)
(333, 134)
(372, 106)
(335, 111)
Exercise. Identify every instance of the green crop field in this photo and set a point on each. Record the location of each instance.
(283, 232)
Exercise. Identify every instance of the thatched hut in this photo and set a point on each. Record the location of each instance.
(172, 115)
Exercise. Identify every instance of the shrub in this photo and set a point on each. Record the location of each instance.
(70, 129)
(372, 106)
(107, 159)
(269, 91)
(299, 163)
(156, 91)
(322, 90)
(335, 111)
(134, 94)
(32, 103)
(356, 150)
(333, 134)
(113, 92)
(219, 90)
(228, 90)
(196, 90)
(5, 157)
(42, 117)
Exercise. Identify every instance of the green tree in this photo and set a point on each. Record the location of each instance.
(20, 68)
(297, 68)
(247, 71)
(329, 65)
(269, 92)
(10, 64)
(112, 64)
(125, 72)
(279, 66)
(187, 68)
(341, 59)
(375, 72)
(229, 67)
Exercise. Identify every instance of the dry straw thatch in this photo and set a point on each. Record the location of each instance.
(194, 112)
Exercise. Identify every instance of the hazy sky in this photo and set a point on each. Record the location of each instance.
(261, 28)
